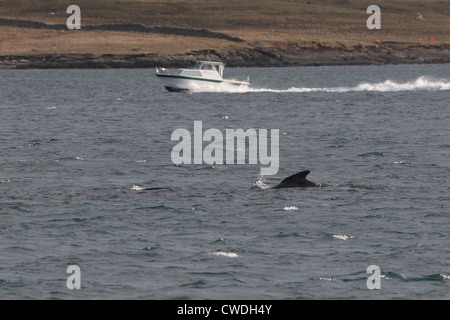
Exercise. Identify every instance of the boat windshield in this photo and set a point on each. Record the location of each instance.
(205, 65)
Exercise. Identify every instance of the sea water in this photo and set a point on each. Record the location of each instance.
(79, 147)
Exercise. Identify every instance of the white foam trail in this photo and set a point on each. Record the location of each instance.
(421, 83)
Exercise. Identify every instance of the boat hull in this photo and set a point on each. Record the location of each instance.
(182, 83)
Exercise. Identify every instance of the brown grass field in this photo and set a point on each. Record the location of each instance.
(305, 23)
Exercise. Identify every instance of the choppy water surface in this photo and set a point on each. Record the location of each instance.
(78, 147)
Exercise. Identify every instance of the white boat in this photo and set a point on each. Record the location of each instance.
(205, 76)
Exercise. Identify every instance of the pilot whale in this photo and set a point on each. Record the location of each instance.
(297, 180)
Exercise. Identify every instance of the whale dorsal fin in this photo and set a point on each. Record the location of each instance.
(300, 176)
(296, 180)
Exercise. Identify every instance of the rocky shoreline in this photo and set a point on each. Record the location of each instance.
(253, 57)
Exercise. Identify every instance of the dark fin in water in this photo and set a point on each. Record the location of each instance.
(297, 180)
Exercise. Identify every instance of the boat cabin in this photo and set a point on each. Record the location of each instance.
(210, 65)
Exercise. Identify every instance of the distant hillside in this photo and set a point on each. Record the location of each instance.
(276, 31)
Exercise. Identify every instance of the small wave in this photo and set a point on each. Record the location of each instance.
(436, 277)
(342, 237)
(431, 277)
(225, 254)
(37, 142)
(136, 188)
(330, 279)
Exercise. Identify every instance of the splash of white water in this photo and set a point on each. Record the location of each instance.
(260, 183)
(421, 83)
(225, 254)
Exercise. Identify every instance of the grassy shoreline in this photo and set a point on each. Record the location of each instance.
(273, 33)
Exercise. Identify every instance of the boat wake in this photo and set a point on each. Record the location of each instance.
(421, 83)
